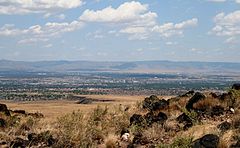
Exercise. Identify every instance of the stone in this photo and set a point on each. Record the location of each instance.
(236, 86)
(183, 118)
(2, 123)
(136, 119)
(217, 111)
(188, 94)
(4, 109)
(149, 101)
(19, 143)
(197, 97)
(161, 117)
(124, 130)
(224, 126)
(207, 141)
(236, 145)
(149, 118)
(186, 120)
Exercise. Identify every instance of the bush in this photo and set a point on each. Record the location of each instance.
(178, 143)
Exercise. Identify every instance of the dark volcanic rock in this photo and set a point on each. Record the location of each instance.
(214, 95)
(236, 86)
(2, 122)
(84, 100)
(183, 118)
(224, 126)
(188, 94)
(124, 130)
(20, 112)
(217, 111)
(36, 115)
(187, 125)
(150, 118)
(207, 141)
(153, 103)
(4, 109)
(161, 104)
(226, 96)
(197, 97)
(149, 101)
(161, 117)
(19, 143)
(136, 120)
(43, 138)
(236, 145)
(140, 140)
(186, 120)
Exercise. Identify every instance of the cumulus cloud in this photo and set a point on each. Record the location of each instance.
(38, 33)
(170, 29)
(36, 6)
(220, 1)
(227, 24)
(129, 12)
(217, 0)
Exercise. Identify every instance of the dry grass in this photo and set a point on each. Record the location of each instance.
(207, 103)
(100, 124)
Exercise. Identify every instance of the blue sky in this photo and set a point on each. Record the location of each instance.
(118, 30)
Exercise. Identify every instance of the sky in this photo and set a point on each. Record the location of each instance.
(119, 30)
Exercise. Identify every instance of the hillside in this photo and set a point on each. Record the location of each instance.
(135, 66)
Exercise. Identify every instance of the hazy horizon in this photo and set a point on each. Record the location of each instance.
(97, 30)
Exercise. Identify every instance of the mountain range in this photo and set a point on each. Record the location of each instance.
(133, 66)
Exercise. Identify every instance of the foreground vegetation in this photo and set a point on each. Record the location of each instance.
(191, 120)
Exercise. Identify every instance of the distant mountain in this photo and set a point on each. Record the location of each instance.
(136, 67)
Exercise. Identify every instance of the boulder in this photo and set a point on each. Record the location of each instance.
(226, 96)
(217, 111)
(161, 104)
(150, 118)
(20, 112)
(153, 103)
(19, 143)
(4, 109)
(214, 95)
(124, 130)
(136, 119)
(36, 115)
(188, 94)
(224, 126)
(186, 120)
(43, 138)
(236, 145)
(2, 123)
(207, 141)
(161, 117)
(197, 97)
(183, 118)
(140, 140)
(149, 101)
(236, 86)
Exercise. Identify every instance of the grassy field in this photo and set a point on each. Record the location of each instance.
(54, 109)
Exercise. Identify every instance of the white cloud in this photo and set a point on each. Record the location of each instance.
(39, 33)
(36, 6)
(61, 16)
(217, 0)
(170, 29)
(227, 24)
(48, 46)
(221, 1)
(127, 13)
